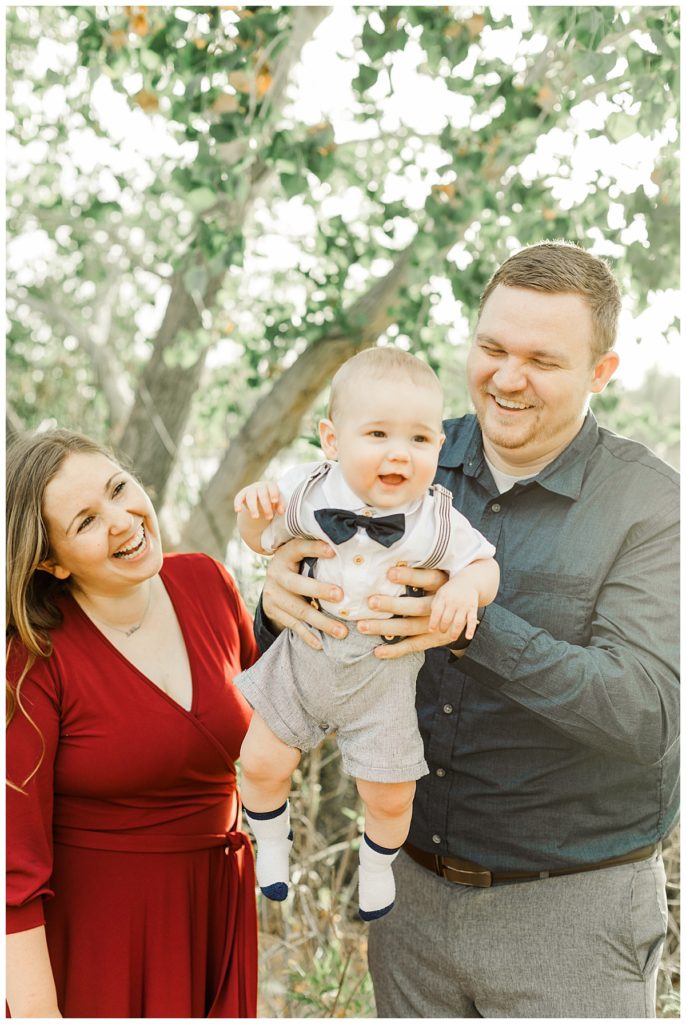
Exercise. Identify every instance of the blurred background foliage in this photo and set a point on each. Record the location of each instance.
(210, 208)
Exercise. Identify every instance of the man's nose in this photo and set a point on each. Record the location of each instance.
(510, 376)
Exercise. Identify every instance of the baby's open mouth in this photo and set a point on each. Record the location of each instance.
(392, 478)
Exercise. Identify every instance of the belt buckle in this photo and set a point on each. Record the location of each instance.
(468, 876)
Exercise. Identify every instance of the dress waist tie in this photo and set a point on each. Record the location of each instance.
(148, 842)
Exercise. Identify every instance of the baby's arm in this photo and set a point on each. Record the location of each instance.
(456, 604)
(256, 505)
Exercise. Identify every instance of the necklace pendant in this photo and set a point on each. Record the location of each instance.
(134, 629)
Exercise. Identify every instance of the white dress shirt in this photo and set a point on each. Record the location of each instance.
(360, 564)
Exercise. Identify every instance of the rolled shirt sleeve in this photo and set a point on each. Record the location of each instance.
(619, 692)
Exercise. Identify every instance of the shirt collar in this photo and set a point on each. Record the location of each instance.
(339, 495)
(564, 475)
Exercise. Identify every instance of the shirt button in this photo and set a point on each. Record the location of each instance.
(448, 709)
(400, 565)
(367, 512)
(436, 839)
(343, 611)
(495, 507)
(358, 560)
(440, 772)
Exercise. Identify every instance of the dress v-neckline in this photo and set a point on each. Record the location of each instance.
(151, 682)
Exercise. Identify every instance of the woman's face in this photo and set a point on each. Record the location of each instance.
(103, 531)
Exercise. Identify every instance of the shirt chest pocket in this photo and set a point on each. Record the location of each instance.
(560, 603)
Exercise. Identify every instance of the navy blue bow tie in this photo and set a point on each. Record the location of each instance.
(340, 525)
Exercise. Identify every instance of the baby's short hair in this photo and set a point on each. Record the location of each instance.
(381, 363)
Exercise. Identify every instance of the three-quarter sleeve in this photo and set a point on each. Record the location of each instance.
(249, 652)
(30, 803)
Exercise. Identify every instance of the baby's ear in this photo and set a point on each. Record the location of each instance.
(327, 436)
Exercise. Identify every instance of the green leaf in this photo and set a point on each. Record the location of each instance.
(366, 78)
(195, 280)
(201, 199)
(620, 126)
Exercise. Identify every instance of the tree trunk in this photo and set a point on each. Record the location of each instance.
(275, 421)
(165, 393)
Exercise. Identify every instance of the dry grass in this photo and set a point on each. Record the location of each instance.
(313, 949)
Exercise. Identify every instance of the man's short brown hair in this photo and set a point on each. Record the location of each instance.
(557, 267)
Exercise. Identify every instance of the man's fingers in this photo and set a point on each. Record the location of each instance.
(394, 627)
(427, 579)
(413, 644)
(402, 607)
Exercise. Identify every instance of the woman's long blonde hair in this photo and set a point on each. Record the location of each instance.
(31, 605)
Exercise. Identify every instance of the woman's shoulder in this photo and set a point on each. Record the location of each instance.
(196, 568)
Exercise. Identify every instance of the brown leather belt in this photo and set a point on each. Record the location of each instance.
(466, 872)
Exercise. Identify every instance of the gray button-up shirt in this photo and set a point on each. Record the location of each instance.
(554, 740)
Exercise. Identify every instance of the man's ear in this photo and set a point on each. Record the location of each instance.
(58, 571)
(603, 370)
(327, 436)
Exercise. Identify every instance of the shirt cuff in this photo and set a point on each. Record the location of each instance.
(21, 919)
(263, 628)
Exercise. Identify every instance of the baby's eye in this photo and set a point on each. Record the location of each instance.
(420, 438)
(85, 522)
(377, 433)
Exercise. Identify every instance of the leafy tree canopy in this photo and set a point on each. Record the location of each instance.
(191, 257)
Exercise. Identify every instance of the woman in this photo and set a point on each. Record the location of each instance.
(130, 885)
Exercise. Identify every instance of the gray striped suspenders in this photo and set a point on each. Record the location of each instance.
(293, 509)
(444, 503)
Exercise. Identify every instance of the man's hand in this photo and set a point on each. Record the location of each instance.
(286, 596)
(413, 615)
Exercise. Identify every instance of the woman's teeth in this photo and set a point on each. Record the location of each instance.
(130, 552)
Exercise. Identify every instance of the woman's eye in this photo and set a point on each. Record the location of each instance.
(85, 522)
(119, 488)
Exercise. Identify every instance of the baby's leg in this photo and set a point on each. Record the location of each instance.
(388, 811)
(267, 764)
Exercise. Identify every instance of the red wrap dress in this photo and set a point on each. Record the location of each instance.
(127, 843)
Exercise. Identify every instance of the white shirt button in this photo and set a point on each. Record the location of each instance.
(448, 709)
(436, 839)
(495, 507)
(440, 772)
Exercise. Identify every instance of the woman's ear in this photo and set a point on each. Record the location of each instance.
(58, 571)
(327, 436)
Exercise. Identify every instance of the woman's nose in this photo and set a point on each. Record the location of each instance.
(120, 520)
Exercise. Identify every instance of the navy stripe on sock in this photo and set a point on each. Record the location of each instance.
(265, 815)
(379, 849)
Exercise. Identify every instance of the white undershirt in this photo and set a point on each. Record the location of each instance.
(504, 481)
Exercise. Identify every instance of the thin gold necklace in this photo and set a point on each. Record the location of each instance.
(132, 629)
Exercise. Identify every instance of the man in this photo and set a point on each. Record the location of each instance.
(532, 884)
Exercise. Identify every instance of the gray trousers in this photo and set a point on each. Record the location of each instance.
(585, 945)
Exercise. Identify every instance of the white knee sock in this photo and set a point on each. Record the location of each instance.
(272, 830)
(377, 886)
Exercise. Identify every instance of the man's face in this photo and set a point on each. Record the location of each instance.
(530, 373)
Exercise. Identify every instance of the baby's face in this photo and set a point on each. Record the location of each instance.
(386, 438)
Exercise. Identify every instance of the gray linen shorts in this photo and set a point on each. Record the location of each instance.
(304, 695)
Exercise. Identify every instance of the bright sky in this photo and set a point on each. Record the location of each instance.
(323, 92)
